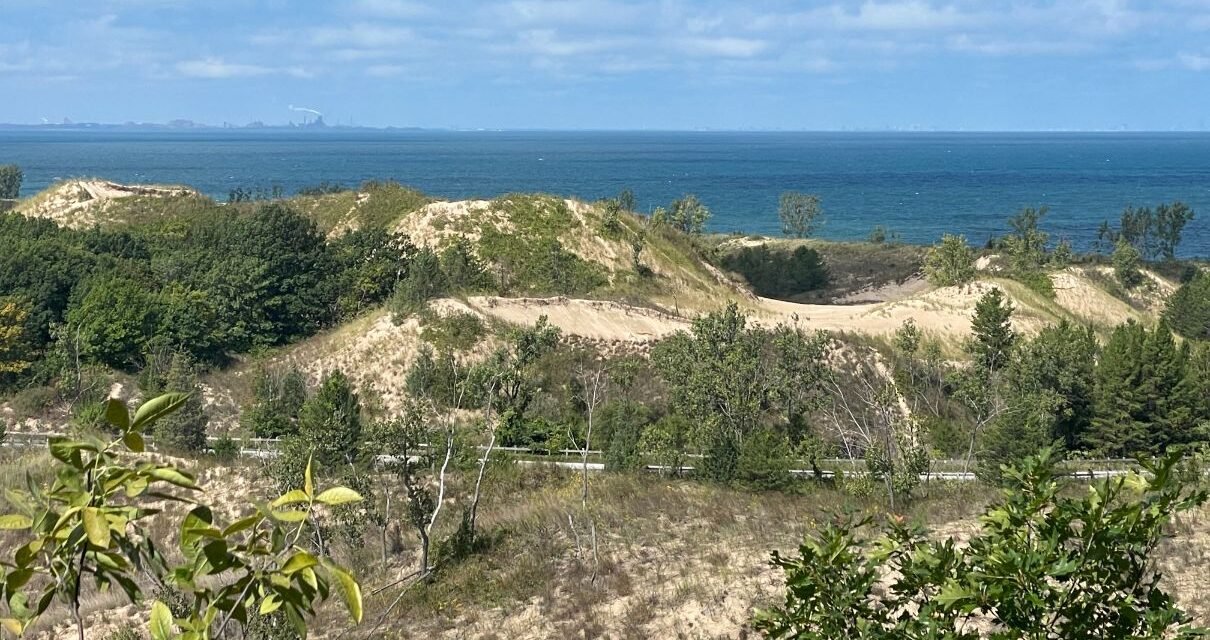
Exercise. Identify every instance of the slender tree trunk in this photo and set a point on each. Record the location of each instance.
(424, 553)
(587, 446)
(491, 443)
(386, 520)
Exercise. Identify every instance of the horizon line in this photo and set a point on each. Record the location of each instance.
(166, 127)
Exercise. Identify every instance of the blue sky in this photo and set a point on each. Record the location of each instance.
(659, 64)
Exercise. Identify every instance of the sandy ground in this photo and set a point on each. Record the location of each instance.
(79, 203)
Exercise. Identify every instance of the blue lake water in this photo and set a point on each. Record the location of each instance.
(917, 184)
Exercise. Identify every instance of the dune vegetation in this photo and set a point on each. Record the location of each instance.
(554, 418)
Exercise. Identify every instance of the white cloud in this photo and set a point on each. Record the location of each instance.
(1194, 61)
(391, 8)
(723, 47)
(217, 68)
(906, 15)
(996, 46)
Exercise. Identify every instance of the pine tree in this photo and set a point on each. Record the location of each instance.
(1163, 385)
(1188, 309)
(1117, 426)
(329, 423)
(993, 335)
(184, 430)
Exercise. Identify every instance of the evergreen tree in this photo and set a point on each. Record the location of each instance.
(1168, 406)
(993, 335)
(1126, 261)
(1056, 370)
(1148, 393)
(277, 397)
(185, 429)
(329, 423)
(1188, 310)
(1117, 427)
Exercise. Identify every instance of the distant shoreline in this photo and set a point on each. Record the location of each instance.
(87, 127)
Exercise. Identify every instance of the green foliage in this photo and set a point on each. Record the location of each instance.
(115, 319)
(15, 347)
(621, 426)
(729, 378)
(800, 214)
(458, 331)
(322, 188)
(463, 271)
(1126, 262)
(1145, 399)
(510, 376)
(1043, 566)
(423, 282)
(277, 397)
(1155, 233)
(687, 215)
(775, 273)
(950, 262)
(542, 269)
(611, 217)
(209, 280)
(226, 449)
(440, 378)
(89, 526)
(329, 423)
(1039, 282)
(368, 262)
(666, 442)
(993, 335)
(1026, 246)
(764, 463)
(10, 181)
(880, 235)
(185, 429)
(1188, 308)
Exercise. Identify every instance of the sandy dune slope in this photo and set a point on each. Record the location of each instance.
(81, 203)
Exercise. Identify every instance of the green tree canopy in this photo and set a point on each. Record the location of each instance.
(329, 423)
(1188, 308)
(950, 262)
(993, 334)
(800, 213)
(10, 181)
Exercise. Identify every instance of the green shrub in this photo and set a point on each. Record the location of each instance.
(950, 262)
(621, 427)
(226, 449)
(764, 461)
(800, 213)
(1039, 282)
(1126, 262)
(462, 269)
(424, 281)
(33, 401)
(1043, 566)
(778, 274)
(458, 331)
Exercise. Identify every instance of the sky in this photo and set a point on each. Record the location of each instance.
(613, 64)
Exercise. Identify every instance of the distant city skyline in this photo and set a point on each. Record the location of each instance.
(1081, 65)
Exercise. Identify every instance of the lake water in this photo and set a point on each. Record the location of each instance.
(917, 184)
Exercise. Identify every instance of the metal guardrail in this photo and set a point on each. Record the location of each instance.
(267, 448)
